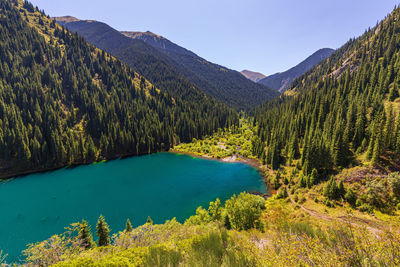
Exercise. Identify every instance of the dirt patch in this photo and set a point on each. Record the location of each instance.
(361, 174)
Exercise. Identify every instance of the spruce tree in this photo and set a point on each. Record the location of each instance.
(129, 227)
(371, 146)
(313, 178)
(227, 222)
(393, 94)
(341, 190)
(102, 232)
(85, 236)
(376, 152)
(302, 181)
(331, 189)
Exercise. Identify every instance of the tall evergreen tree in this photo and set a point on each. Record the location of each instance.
(129, 227)
(103, 232)
(85, 236)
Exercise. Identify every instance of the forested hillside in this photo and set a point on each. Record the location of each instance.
(142, 57)
(63, 101)
(343, 113)
(171, 67)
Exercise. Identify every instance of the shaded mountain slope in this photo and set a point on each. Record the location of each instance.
(224, 84)
(165, 64)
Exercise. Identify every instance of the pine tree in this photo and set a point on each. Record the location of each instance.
(293, 148)
(376, 152)
(331, 189)
(102, 232)
(341, 190)
(313, 178)
(371, 145)
(129, 227)
(85, 236)
(302, 181)
(227, 222)
(275, 157)
(350, 197)
(359, 129)
(393, 93)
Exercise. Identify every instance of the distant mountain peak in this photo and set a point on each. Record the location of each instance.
(281, 81)
(158, 42)
(67, 19)
(253, 76)
(137, 35)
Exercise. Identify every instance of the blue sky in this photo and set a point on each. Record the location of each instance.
(261, 35)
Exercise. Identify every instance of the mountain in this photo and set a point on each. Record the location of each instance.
(222, 83)
(253, 76)
(282, 81)
(343, 112)
(145, 59)
(158, 42)
(65, 102)
(160, 60)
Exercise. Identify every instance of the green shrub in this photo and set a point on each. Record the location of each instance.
(350, 197)
(244, 211)
(394, 183)
(202, 217)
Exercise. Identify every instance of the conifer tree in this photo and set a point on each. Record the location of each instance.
(331, 189)
(149, 220)
(102, 232)
(302, 180)
(341, 190)
(313, 178)
(393, 93)
(129, 227)
(227, 222)
(85, 236)
(376, 151)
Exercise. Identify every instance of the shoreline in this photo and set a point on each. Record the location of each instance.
(4, 178)
(251, 162)
(22, 173)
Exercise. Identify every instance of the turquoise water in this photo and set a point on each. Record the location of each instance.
(161, 186)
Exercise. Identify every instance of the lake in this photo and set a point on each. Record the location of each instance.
(162, 186)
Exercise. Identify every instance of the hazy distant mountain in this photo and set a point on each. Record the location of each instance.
(253, 76)
(281, 81)
(168, 65)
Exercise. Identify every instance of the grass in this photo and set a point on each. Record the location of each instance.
(289, 237)
(233, 142)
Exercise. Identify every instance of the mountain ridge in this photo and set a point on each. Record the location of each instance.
(281, 81)
(209, 76)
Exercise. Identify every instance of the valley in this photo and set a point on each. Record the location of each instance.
(122, 148)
